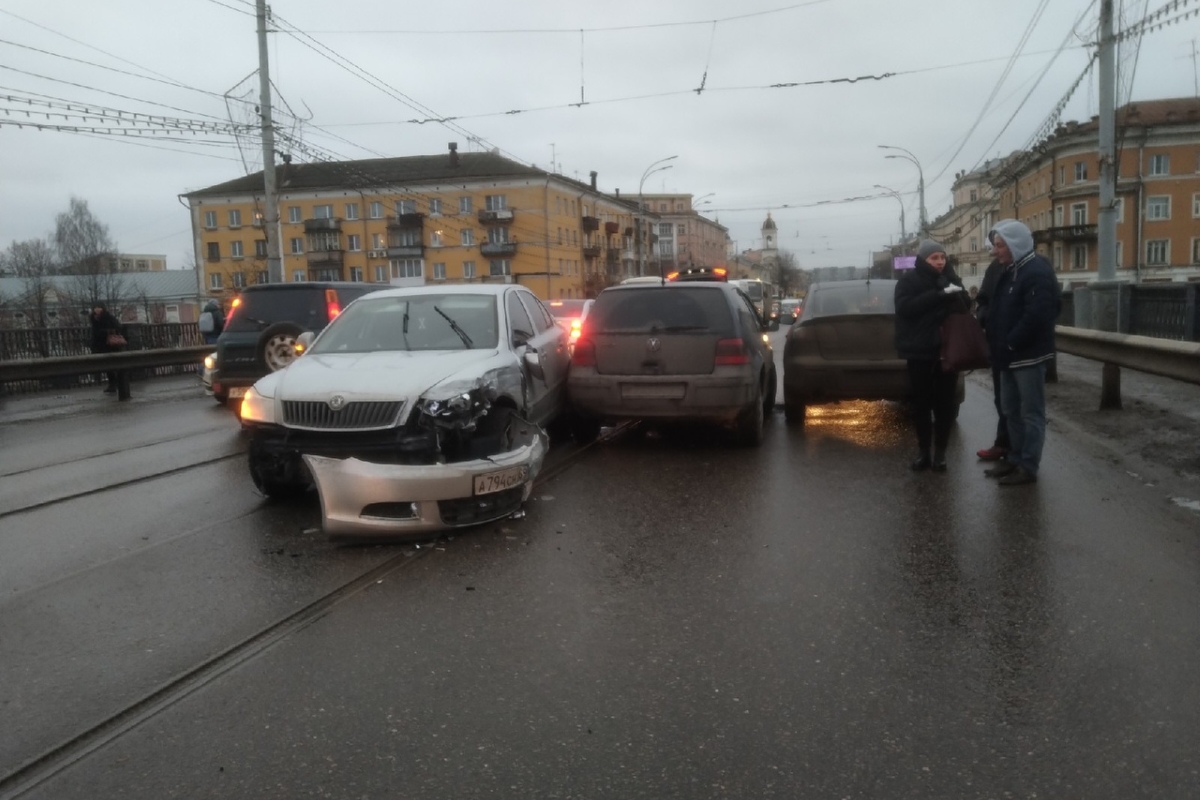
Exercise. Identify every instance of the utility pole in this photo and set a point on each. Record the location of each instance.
(271, 223)
(1107, 218)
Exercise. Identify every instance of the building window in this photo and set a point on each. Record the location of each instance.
(235, 218)
(239, 280)
(681, 229)
(666, 249)
(1058, 216)
(1120, 249)
(324, 241)
(323, 212)
(464, 205)
(665, 228)
(377, 241)
(1158, 208)
(260, 248)
(294, 214)
(1196, 205)
(468, 237)
(974, 244)
(498, 235)
(410, 237)
(210, 220)
(214, 280)
(499, 266)
(356, 274)
(1160, 165)
(406, 268)
(1080, 171)
(381, 274)
(1058, 253)
(214, 251)
(560, 239)
(143, 265)
(376, 210)
(354, 243)
(1119, 204)
(435, 207)
(297, 246)
(1079, 213)
(468, 269)
(235, 249)
(1196, 251)
(1158, 252)
(435, 239)
(262, 277)
(351, 210)
(406, 207)
(298, 276)
(495, 202)
(1079, 256)
(439, 271)
(1062, 175)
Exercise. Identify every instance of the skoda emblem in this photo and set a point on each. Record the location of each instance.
(337, 402)
(652, 344)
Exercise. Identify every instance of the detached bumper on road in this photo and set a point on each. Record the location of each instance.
(363, 501)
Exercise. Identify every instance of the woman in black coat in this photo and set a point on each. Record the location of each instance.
(925, 295)
(104, 325)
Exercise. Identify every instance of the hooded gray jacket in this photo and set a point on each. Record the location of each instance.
(1025, 306)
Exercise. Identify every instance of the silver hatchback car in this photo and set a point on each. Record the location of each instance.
(691, 351)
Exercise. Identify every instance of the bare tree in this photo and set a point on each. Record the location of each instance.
(787, 274)
(33, 261)
(87, 252)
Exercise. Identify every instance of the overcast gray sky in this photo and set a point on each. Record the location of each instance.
(637, 65)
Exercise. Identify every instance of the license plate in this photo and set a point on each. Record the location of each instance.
(493, 482)
(237, 391)
(653, 391)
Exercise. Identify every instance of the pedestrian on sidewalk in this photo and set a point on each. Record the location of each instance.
(1021, 337)
(105, 330)
(212, 321)
(983, 299)
(925, 295)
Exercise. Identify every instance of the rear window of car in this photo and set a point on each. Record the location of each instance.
(566, 309)
(874, 298)
(678, 309)
(304, 306)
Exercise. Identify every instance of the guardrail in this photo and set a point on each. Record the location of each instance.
(37, 369)
(1166, 357)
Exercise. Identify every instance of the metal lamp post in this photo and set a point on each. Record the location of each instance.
(908, 156)
(650, 170)
(895, 194)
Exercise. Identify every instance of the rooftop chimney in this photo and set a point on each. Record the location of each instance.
(594, 174)
(453, 154)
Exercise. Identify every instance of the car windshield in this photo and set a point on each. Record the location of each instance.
(677, 309)
(414, 322)
(567, 309)
(863, 298)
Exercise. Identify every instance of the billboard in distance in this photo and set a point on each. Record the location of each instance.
(904, 262)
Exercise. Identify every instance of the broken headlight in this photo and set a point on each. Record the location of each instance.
(458, 412)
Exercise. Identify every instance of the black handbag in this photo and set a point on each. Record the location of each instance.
(964, 344)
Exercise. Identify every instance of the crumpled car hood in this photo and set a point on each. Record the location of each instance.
(379, 375)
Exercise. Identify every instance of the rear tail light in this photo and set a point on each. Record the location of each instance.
(332, 306)
(672, 276)
(720, 272)
(731, 353)
(576, 330)
(233, 307)
(584, 354)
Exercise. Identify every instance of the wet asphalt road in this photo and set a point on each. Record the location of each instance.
(674, 617)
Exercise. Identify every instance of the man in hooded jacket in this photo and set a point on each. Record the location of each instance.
(1020, 332)
(983, 300)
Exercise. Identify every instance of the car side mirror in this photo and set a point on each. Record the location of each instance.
(533, 362)
(304, 341)
(520, 338)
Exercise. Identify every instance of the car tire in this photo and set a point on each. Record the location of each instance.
(277, 346)
(795, 411)
(272, 485)
(750, 424)
(769, 398)
(222, 398)
(584, 430)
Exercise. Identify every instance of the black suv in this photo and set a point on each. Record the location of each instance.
(260, 332)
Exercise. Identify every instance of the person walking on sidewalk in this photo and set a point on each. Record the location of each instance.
(1021, 337)
(983, 299)
(104, 326)
(924, 296)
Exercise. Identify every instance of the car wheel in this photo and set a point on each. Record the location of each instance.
(275, 488)
(769, 399)
(584, 430)
(221, 397)
(277, 345)
(795, 411)
(750, 424)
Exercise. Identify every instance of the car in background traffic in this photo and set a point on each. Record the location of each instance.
(843, 348)
(789, 310)
(680, 352)
(263, 324)
(570, 313)
(416, 409)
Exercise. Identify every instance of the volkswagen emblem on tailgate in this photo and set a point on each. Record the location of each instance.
(652, 344)
(337, 402)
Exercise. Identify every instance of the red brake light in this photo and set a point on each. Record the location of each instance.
(576, 329)
(233, 307)
(731, 353)
(332, 307)
(584, 354)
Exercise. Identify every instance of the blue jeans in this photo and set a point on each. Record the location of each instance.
(1023, 395)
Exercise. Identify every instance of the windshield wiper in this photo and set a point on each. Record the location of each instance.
(455, 327)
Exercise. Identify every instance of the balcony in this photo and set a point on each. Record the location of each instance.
(490, 217)
(591, 224)
(591, 251)
(1066, 233)
(498, 248)
(406, 251)
(611, 228)
(406, 221)
(324, 224)
(323, 259)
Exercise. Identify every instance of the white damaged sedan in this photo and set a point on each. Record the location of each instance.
(416, 409)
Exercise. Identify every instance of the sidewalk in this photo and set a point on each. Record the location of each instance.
(85, 399)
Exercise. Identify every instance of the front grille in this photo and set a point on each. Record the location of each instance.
(469, 510)
(352, 416)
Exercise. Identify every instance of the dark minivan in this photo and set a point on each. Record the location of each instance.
(261, 329)
(692, 351)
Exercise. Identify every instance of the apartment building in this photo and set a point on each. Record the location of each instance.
(453, 218)
(963, 229)
(1054, 190)
(684, 238)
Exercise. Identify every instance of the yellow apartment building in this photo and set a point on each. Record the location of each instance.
(417, 220)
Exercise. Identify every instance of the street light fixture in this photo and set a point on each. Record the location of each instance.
(657, 166)
(900, 200)
(908, 156)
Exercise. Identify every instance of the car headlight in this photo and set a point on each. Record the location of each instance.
(210, 361)
(256, 408)
(458, 412)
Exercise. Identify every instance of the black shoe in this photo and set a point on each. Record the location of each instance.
(922, 462)
(939, 462)
(1001, 470)
(110, 390)
(1018, 477)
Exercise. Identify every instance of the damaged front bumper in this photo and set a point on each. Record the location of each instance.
(366, 501)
